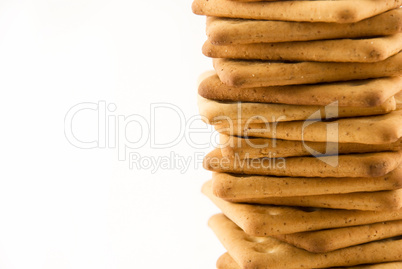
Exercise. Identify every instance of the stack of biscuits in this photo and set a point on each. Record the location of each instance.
(306, 97)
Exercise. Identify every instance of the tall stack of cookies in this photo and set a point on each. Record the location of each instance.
(306, 96)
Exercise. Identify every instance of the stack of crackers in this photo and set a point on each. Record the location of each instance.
(306, 96)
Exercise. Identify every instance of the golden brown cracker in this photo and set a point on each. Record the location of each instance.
(215, 112)
(350, 165)
(251, 148)
(333, 239)
(363, 130)
(339, 50)
(311, 11)
(370, 201)
(268, 220)
(225, 31)
(227, 262)
(246, 74)
(359, 93)
(234, 186)
(267, 252)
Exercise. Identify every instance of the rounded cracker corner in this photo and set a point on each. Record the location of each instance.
(216, 37)
(378, 168)
(207, 49)
(228, 75)
(211, 160)
(214, 219)
(234, 79)
(398, 183)
(375, 99)
(196, 7)
(223, 261)
(219, 189)
(206, 164)
(252, 227)
(389, 135)
(392, 202)
(376, 51)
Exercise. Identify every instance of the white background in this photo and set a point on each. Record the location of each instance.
(66, 207)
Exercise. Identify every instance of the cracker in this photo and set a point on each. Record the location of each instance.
(268, 220)
(371, 201)
(215, 112)
(365, 130)
(251, 148)
(246, 74)
(352, 165)
(340, 50)
(267, 252)
(312, 11)
(227, 262)
(360, 93)
(224, 31)
(333, 239)
(232, 186)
